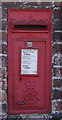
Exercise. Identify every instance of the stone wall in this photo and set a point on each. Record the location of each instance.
(56, 113)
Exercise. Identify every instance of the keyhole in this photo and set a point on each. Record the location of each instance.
(20, 78)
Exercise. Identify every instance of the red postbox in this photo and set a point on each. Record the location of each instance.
(29, 60)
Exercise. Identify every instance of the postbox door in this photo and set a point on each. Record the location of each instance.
(30, 88)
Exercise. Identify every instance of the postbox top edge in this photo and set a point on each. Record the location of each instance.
(29, 9)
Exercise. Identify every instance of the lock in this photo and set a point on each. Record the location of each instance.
(29, 44)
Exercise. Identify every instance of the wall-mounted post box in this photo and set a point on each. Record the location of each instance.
(29, 60)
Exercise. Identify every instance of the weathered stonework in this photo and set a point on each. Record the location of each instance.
(56, 60)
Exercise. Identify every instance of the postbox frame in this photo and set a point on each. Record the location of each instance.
(11, 109)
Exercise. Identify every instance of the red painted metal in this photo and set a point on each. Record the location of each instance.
(29, 93)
